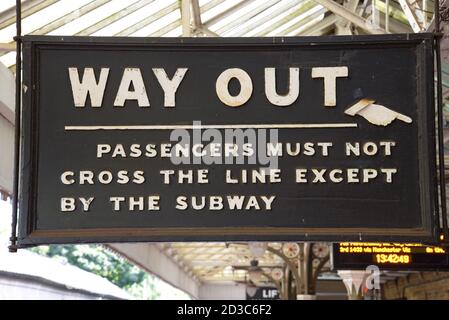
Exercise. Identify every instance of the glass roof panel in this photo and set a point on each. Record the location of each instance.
(6, 4)
(169, 27)
(42, 17)
(259, 29)
(158, 24)
(203, 2)
(264, 16)
(311, 19)
(92, 17)
(131, 19)
(236, 15)
(205, 16)
(281, 30)
(177, 32)
(8, 59)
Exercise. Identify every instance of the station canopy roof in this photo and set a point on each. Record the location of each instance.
(215, 262)
(227, 18)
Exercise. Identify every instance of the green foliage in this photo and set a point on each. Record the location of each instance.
(103, 262)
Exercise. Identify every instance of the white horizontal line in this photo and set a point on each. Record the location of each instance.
(215, 126)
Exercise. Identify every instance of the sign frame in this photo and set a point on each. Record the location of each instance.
(29, 235)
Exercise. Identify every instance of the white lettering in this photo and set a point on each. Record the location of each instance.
(270, 87)
(134, 77)
(246, 87)
(88, 86)
(169, 86)
(330, 75)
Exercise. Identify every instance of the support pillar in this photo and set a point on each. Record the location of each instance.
(353, 281)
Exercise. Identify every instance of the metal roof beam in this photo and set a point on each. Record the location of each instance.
(7, 119)
(59, 22)
(197, 251)
(205, 31)
(247, 16)
(414, 15)
(312, 14)
(239, 265)
(6, 47)
(196, 14)
(198, 27)
(29, 7)
(198, 245)
(160, 14)
(342, 26)
(151, 18)
(151, 258)
(316, 29)
(351, 16)
(185, 18)
(166, 29)
(211, 4)
(227, 12)
(70, 17)
(395, 26)
(310, 23)
(265, 19)
(114, 17)
(394, 12)
(303, 7)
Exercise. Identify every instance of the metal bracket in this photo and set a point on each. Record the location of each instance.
(442, 180)
(15, 198)
(438, 35)
(13, 247)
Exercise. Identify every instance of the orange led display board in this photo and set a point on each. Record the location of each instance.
(389, 256)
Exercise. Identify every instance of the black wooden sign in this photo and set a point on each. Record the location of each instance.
(132, 139)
